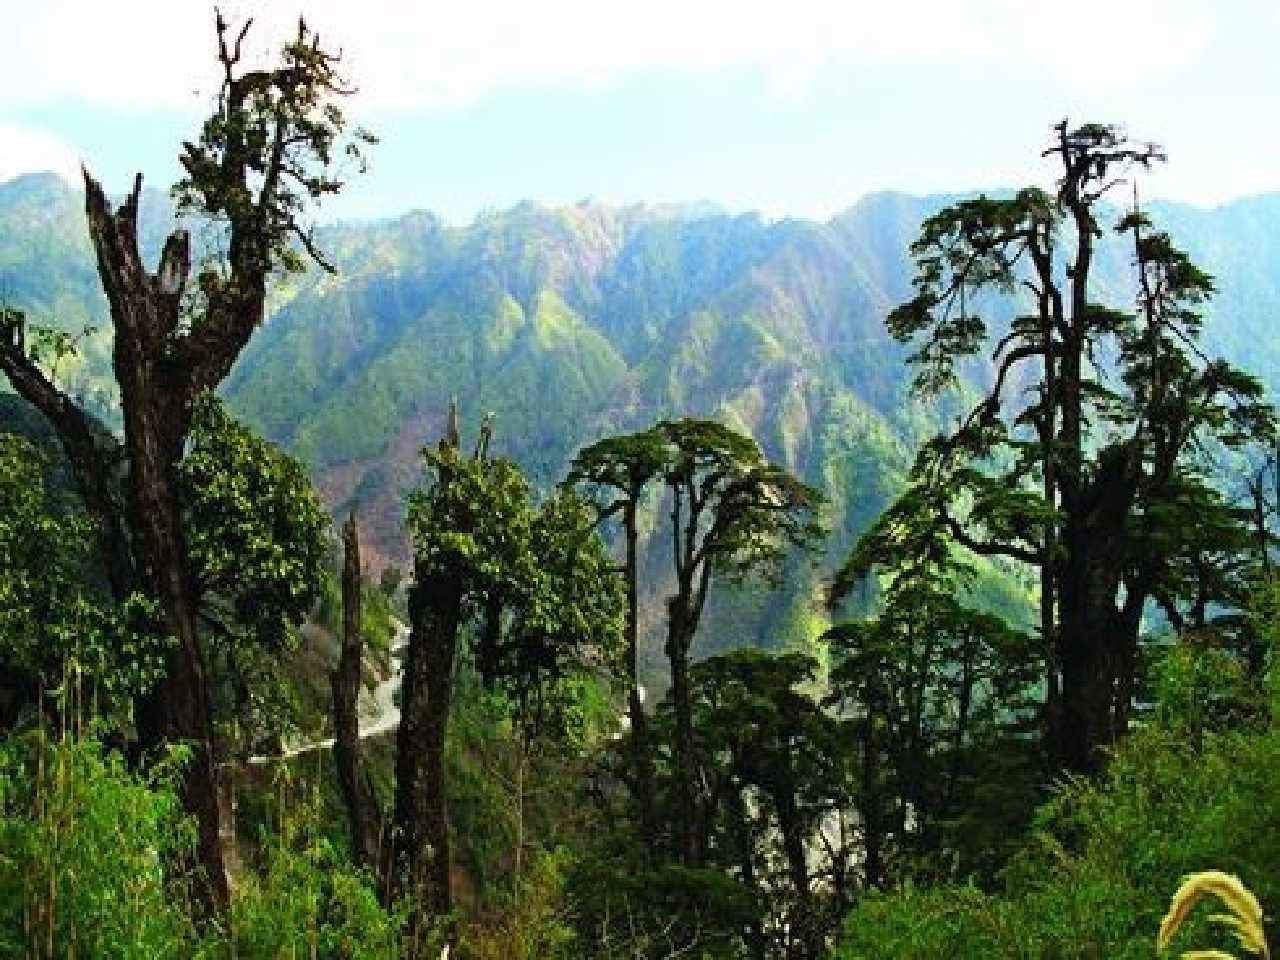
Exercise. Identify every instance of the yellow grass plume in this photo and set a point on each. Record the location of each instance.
(1245, 917)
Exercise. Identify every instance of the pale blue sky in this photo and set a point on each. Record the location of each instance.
(795, 107)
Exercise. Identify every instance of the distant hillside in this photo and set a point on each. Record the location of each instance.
(573, 323)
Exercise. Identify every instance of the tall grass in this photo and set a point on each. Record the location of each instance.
(93, 858)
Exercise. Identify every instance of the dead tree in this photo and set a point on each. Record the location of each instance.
(353, 778)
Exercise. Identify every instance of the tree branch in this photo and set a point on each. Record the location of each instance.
(92, 452)
(984, 548)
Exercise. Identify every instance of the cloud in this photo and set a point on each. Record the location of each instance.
(148, 54)
(23, 150)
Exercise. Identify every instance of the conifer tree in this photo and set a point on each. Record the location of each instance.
(1081, 458)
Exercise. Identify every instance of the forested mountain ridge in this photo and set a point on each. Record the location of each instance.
(1081, 458)
(570, 324)
(574, 323)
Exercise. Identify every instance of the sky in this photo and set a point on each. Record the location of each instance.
(790, 107)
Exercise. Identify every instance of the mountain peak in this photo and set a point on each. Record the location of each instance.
(37, 183)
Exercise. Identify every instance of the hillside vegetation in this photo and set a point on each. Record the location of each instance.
(902, 586)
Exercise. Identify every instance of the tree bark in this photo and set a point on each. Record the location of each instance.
(872, 819)
(684, 810)
(1097, 636)
(156, 397)
(641, 755)
(353, 778)
(740, 830)
(684, 611)
(421, 840)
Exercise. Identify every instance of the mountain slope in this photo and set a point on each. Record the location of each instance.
(572, 323)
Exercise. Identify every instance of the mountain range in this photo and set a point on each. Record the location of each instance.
(572, 323)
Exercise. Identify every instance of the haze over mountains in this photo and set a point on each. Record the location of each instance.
(573, 323)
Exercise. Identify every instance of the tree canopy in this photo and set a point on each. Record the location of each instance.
(1083, 458)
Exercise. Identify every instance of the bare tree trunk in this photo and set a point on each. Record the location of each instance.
(685, 798)
(353, 778)
(1097, 637)
(421, 833)
(740, 830)
(641, 755)
(872, 819)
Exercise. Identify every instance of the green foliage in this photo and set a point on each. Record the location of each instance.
(518, 812)
(476, 513)
(747, 322)
(377, 619)
(272, 147)
(1198, 687)
(631, 910)
(567, 629)
(58, 630)
(944, 697)
(91, 854)
(1085, 460)
(255, 526)
(258, 537)
(535, 926)
(95, 861)
(43, 551)
(774, 768)
(745, 511)
(621, 466)
(1093, 880)
(733, 515)
(540, 590)
(308, 899)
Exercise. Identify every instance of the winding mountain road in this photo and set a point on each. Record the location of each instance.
(378, 711)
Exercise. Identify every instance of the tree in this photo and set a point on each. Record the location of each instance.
(257, 535)
(1093, 877)
(465, 525)
(733, 514)
(548, 634)
(357, 790)
(42, 553)
(1082, 480)
(267, 150)
(773, 762)
(555, 618)
(943, 697)
(533, 588)
(441, 519)
(943, 701)
(616, 472)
